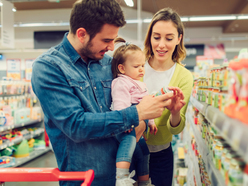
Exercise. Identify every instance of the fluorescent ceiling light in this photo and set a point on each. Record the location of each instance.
(1, 4)
(243, 17)
(14, 9)
(233, 38)
(40, 24)
(147, 20)
(129, 3)
(132, 21)
(200, 18)
(212, 18)
(184, 19)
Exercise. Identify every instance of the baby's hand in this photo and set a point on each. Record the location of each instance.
(153, 129)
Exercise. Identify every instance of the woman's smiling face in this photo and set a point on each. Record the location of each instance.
(164, 39)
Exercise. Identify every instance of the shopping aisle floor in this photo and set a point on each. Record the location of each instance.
(46, 160)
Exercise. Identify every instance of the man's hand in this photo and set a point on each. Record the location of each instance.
(152, 107)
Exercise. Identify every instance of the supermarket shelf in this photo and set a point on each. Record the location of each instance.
(233, 131)
(191, 160)
(32, 155)
(19, 139)
(213, 173)
(201, 106)
(197, 133)
(10, 95)
(193, 165)
(4, 128)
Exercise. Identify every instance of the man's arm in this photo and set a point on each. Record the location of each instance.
(67, 112)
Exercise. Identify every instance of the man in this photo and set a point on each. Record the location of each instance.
(72, 81)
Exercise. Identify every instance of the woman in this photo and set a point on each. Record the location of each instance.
(164, 50)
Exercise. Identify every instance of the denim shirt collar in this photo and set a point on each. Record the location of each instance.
(72, 53)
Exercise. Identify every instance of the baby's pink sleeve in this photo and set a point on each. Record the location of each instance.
(151, 122)
(120, 94)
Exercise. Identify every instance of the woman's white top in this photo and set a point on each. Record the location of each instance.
(155, 80)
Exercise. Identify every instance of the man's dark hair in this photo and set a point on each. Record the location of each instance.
(93, 14)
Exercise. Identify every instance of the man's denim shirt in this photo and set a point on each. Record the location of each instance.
(76, 99)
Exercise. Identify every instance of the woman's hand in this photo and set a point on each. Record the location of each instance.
(153, 129)
(177, 101)
(151, 107)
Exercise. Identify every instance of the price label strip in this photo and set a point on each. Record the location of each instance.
(236, 137)
(246, 159)
(225, 129)
(245, 179)
(214, 120)
(199, 106)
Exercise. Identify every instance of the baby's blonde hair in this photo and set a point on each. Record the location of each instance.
(120, 55)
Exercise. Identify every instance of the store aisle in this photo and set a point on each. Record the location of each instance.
(46, 160)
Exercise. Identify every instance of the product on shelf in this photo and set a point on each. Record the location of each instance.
(31, 144)
(3, 119)
(21, 150)
(18, 108)
(22, 115)
(220, 142)
(246, 175)
(36, 113)
(163, 90)
(6, 161)
(218, 152)
(39, 144)
(242, 107)
(7, 151)
(234, 89)
(226, 162)
(236, 171)
(196, 113)
(181, 175)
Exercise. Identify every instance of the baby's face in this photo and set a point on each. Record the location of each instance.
(134, 65)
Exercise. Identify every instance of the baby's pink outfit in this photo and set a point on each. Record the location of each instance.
(126, 91)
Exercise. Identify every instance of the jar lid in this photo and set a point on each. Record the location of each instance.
(238, 162)
(217, 137)
(226, 149)
(231, 154)
(218, 143)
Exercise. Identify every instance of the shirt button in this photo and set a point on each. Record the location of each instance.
(132, 126)
(94, 87)
(81, 88)
(88, 68)
(100, 106)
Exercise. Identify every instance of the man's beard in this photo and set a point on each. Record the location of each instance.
(87, 52)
